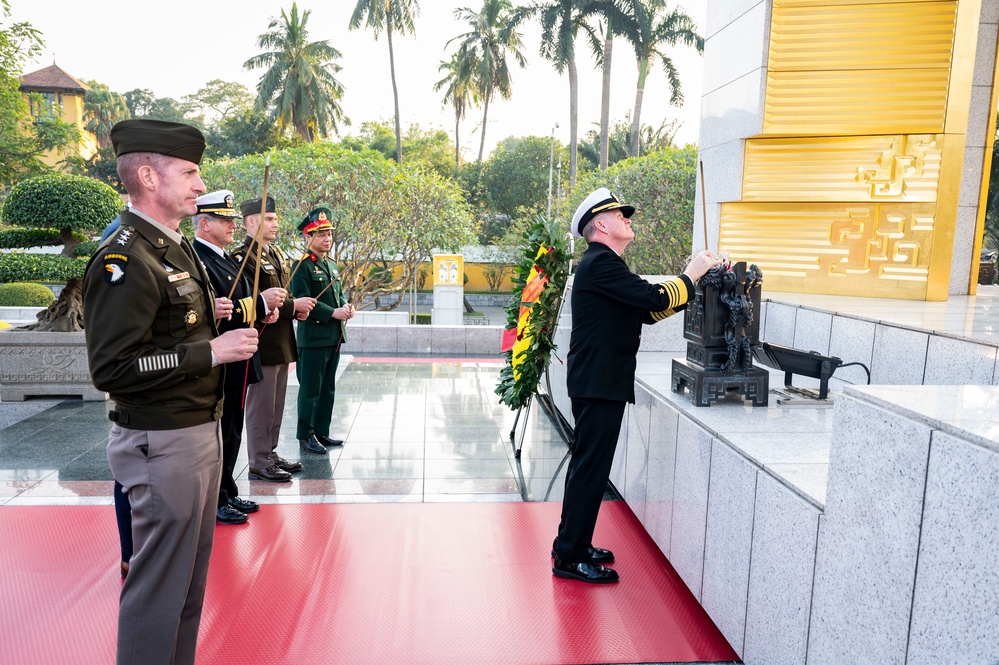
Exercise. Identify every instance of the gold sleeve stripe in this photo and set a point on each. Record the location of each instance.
(245, 306)
(158, 362)
(676, 291)
(659, 316)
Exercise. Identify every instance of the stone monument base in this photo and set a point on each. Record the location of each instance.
(45, 364)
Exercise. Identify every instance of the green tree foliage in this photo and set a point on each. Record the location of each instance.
(651, 28)
(619, 141)
(516, 175)
(382, 211)
(102, 166)
(459, 92)
(483, 50)
(388, 16)
(244, 132)
(662, 186)
(67, 202)
(216, 101)
(24, 140)
(991, 239)
(102, 108)
(430, 148)
(21, 267)
(299, 85)
(143, 103)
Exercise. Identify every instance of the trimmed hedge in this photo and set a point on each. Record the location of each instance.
(21, 267)
(13, 238)
(86, 249)
(25, 294)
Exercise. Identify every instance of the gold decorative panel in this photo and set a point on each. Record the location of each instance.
(780, 4)
(876, 36)
(852, 168)
(849, 102)
(859, 68)
(873, 249)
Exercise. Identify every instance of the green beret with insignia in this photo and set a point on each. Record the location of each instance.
(318, 219)
(173, 139)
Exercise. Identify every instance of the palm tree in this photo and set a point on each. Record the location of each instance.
(650, 28)
(460, 94)
(300, 84)
(388, 15)
(102, 108)
(561, 22)
(482, 53)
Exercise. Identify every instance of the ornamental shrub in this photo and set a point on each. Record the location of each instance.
(61, 200)
(25, 294)
(20, 267)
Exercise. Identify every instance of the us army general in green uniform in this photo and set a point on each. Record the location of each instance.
(149, 315)
(320, 335)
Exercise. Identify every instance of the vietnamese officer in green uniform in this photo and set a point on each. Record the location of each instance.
(149, 314)
(320, 334)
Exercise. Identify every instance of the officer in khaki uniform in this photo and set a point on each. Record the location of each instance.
(265, 399)
(321, 334)
(149, 314)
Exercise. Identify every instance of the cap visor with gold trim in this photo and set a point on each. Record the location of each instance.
(218, 204)
(317, 220)
(599, 201)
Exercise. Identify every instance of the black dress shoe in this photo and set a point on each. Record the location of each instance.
(597, 554)
(326, 441)
(312, 445)
(593, 573)
(229, 515)
(244, 505)
(271, 474)
(285, 465)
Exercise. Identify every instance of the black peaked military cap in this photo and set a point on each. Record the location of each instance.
(173, 139)
(252, 207)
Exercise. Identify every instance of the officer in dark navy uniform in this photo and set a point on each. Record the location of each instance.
(609, 306)
(214, 224)
(149, 314)
(320, 334)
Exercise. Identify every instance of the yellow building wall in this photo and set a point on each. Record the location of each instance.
(476, 276)
(72, 112)
(852, 187)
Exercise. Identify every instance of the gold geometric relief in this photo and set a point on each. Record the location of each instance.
(871, 249)
(855, 168)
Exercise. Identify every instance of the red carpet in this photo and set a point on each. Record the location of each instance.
(372, 583)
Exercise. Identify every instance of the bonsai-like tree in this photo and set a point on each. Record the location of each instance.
(57, 209)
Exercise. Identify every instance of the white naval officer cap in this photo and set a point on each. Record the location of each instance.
(599, 201)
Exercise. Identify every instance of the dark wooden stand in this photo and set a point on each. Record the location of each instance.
(707, 385)
(720, 338)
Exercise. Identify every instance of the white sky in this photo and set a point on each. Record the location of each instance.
(174, 48)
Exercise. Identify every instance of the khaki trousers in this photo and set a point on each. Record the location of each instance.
(172, 481)
(264, 413)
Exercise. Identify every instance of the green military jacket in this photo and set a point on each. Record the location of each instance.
(320, 329)
(149, 317)
(277, 340)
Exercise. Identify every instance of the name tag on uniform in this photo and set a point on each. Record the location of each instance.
(179, 276)
(184, 289)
